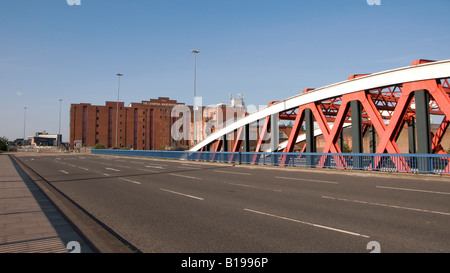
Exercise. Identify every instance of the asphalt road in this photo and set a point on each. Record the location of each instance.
(193, 207)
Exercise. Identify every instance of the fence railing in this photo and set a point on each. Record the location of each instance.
(408, 163)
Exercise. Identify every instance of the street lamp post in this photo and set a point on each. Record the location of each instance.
(117, 113)
(24, 124)
(195, 51)
(58, 143)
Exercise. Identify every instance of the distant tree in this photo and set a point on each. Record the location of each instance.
(99, 146)
(346, 148)
(3, 144)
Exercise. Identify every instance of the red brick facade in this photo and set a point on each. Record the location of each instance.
(141, 126)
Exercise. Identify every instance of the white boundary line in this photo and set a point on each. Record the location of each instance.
(386, 205)
(128, 180)
(307, 223)
(304, 179)
(405, 189)
(179, 193)
(185, 176)
(218, 171)
(112, 169)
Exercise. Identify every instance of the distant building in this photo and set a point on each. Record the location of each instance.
(45, 139)
(141, 126)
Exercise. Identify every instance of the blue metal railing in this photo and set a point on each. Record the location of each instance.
(408, 163)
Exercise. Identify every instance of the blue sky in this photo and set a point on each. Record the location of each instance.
(267, 49)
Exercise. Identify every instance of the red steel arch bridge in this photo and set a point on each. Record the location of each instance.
(380, 103)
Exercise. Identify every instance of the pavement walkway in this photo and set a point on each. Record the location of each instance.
(29, 222)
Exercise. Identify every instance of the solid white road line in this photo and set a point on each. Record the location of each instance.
(113, 169)
(218, 171)
(128, 180)
(63, 171)
(154, 167)
(405, 189)
(179, 193)
(253, 187)
(185, 176)
(304, 179)
(105, 174)
(386, 205)
(86, 169)
(146, 170)
(307, 223)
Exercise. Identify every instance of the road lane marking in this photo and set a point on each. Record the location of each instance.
(113, 169)
(179, 193)
(146, 170)
(217, 171)
(86, 169)
(155, 167)
(105, 174)
(304, 179)
(253, 187)
(307, 223)
(188, 167)
(405, 189)
(128, 180)
(135, 162)
(185, 176)
(386, 205)
(64, 171)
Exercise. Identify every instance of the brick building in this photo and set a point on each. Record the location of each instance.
(141, 126)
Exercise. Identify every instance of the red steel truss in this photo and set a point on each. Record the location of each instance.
(386, 109)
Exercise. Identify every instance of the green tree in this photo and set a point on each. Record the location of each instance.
(3, 144)
(99, 146)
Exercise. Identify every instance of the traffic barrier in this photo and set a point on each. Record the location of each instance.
(405, 163)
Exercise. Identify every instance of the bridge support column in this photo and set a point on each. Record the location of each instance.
(341, 140)
(373, 139)
(274, 135)
(357, 144)
(422, 100)
(247, 142)
(310, 139)
(412, 136)
(357, 136)
(225, 143)
(247, 138)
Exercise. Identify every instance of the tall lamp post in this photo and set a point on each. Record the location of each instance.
(58, 140)
(117, 113)
(195, 51)
(24, 124)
